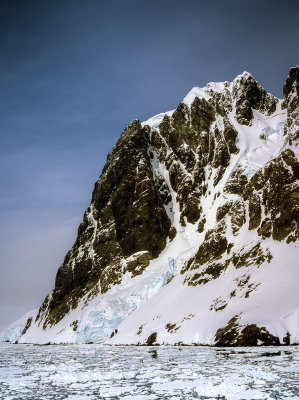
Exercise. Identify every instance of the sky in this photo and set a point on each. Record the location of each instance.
(74, 73)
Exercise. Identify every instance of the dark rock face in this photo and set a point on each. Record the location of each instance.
(250, 335)
(250, 95)
(291, 103)
(152, 339)
(254, 211)
(191, 145)
(126, 216)
(27, 326)
(236, 182)
(237, 213)
(208, 263)
(223, 210)
(134, 206)
(138, 263)
(270, 198)
(275, 190)
(213, 247)
(251, 255)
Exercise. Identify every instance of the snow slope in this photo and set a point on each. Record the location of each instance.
(14, 330)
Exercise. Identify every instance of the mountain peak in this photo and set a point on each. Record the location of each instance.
(244, 75)
(192, 227)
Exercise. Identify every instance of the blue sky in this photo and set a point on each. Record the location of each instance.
(74, 73)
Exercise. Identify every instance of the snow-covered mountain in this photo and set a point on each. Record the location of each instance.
(192, 231)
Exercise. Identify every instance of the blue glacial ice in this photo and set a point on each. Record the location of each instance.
(97, 324)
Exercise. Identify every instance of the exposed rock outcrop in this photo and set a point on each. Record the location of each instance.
(126, 216)
(291, 103)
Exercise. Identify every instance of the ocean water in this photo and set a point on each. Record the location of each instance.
(125, 372)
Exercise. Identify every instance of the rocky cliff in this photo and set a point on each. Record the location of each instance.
(192, 231)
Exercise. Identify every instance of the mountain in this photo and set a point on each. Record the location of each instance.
(191, 235)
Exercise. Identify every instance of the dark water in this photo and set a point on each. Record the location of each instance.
(101, 372)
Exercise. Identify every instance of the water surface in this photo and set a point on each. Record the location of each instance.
(102, 372)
